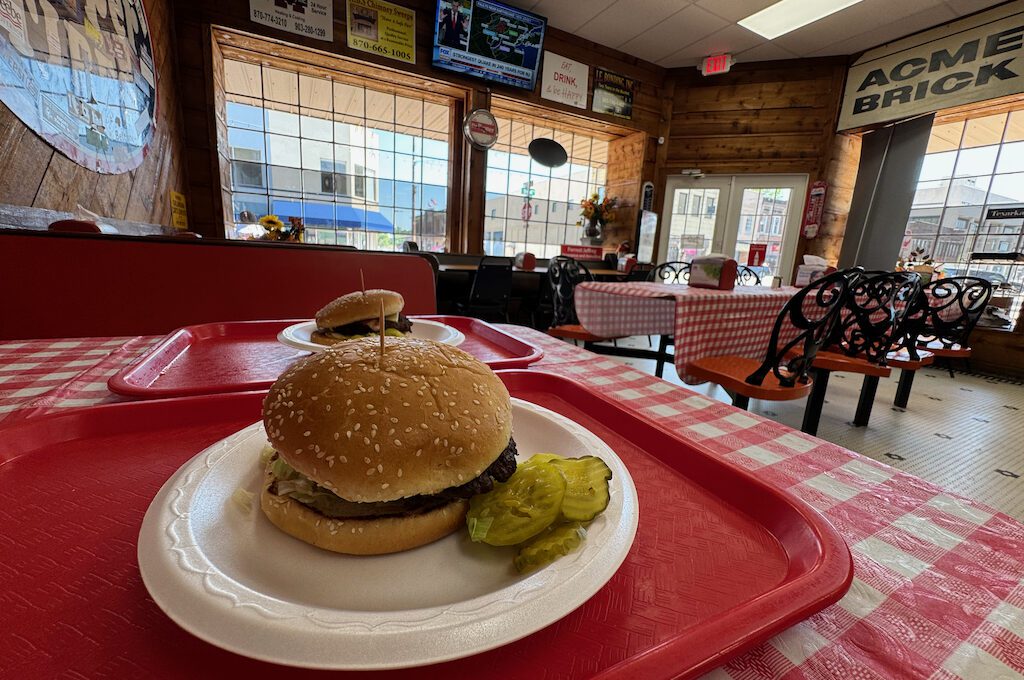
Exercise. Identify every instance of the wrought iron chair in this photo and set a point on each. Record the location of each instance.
(563, 275)
(785, 372)
(871, 325)
(639, 272)
(939, 324)
(745, 276)
(670, 272)
(491, 289)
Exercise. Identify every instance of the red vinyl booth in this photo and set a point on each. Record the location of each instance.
(78, 285)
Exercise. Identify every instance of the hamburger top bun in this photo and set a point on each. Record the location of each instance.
(359, 306)
(424, 418)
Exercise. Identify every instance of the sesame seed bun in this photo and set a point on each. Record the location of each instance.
(375, 536)
(359, 306)
(424, 418)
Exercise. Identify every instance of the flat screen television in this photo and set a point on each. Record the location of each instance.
(489, 40)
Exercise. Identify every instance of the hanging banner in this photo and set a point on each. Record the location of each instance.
(613, 94)
(311, 18)
(565, 81)
(382, 28)
(966, 61)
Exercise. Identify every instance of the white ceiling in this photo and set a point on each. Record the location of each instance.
(675, 33)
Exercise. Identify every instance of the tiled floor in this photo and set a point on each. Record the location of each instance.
(964, 433)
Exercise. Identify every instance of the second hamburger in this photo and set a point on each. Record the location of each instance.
(357, 314)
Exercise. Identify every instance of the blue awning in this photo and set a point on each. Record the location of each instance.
(322, 215)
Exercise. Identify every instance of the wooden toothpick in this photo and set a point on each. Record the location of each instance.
(382, 330)
(362, 282)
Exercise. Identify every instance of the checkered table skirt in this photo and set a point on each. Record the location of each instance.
(938, 589)
(704, 322)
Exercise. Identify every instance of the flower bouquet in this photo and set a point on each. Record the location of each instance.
(595, 213)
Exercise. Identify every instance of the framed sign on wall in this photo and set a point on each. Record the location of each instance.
(81, 75)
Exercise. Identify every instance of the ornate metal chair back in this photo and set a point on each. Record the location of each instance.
(745, 276)
(873, 321)
(670, 272)
(806, 321)
(946, 311)
(563, 275)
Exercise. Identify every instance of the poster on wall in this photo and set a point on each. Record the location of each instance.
(966, 61)
(613, 94)
(565, 81)
(81, 76)
(382, 28)
(645, 233)
(311, 18)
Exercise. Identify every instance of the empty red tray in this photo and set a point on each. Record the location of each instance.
(237, 356)
(721, 561)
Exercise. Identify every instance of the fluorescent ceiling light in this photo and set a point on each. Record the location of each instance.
(789, 15)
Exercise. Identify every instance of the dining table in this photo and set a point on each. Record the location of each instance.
(938, 578)
(703, 322)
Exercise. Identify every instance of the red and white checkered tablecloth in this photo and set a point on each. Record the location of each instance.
(37, 376)
(704, 322)
(938, 588)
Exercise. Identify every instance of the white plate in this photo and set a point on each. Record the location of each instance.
(298, 335)
(235, 580)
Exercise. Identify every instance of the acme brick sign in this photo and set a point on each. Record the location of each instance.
(966, 61)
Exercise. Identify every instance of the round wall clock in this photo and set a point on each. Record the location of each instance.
(480, 128)
(80, 73)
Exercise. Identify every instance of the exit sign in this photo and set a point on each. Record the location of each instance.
(720, 63)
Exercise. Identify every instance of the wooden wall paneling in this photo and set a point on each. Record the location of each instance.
(625, 176)
(23, 162)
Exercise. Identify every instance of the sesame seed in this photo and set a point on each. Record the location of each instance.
(399, 472)
(343, 459)
(384, 485)
(336, 436)
(380, 467)
(398, 442)
(366, 440)
(357, 426)
(418, 452)
(369, 473)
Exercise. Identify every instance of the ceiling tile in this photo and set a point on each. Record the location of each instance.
(622, 22)
(682, 28)
(734, 10)
(732, 38)
(893, 30)
(764, 52)
(864, 17)
(568, 16)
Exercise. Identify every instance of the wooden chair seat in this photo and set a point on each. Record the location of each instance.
(938, 349)
(575, 332)
(901, 359)
(731, 373)
(838, 362)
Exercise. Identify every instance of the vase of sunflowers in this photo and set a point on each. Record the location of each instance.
(276, 230)
(595, 213)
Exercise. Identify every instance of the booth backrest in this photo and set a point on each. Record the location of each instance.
(79, 285)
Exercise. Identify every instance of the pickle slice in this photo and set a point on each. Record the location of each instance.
(518, 509)
(554, 542)
(586, 484)
(586, 487)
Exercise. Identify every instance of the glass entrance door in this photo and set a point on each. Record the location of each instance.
(735, 215)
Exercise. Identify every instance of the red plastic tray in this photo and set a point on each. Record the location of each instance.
(721, 561)
(237, 356)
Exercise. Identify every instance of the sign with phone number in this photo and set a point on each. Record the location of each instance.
(382, 28)
(311, 18)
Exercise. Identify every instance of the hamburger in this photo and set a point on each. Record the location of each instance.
(378, 454)
(357, 314)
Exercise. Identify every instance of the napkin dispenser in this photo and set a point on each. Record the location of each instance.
(811, 270)
(713, 271)
(526, 261)
(626, 264)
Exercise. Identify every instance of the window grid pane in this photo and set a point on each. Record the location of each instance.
(970, 167)
(529, 207)
(359, 166)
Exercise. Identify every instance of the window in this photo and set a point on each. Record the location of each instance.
(970, 168)
(360, 166)
(532, 207)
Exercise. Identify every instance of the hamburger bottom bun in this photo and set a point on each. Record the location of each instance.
(377, 536)
(359, 306)
(321, 339)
